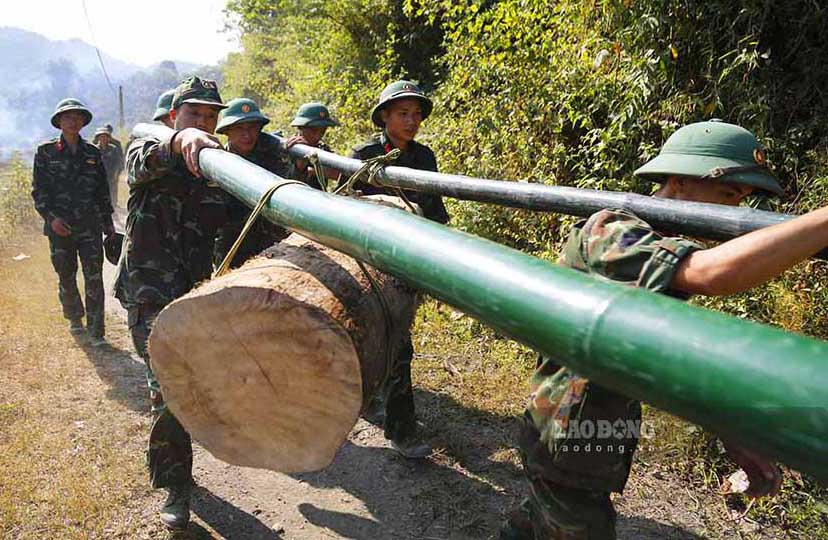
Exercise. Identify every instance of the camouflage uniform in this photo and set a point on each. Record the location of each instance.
(570, 489)
(170, 230)
(400, 418)
(263, 234)
(73, 187)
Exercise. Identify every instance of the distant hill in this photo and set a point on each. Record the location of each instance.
(52, 70)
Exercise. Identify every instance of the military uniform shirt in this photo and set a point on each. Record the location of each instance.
(71, 186)
(416, 156)
(171, 226)
(617, 246)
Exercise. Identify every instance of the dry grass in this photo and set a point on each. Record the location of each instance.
(71, 447)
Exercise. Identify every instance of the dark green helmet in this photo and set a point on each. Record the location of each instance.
(313, 115)
(400, 90)
(713, 150)
(239, 111)
(164, 104)
(197, 91)
(71, 104)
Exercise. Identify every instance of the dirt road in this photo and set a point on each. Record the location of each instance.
(369, 492)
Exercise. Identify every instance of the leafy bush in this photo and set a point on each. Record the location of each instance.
(17, 214)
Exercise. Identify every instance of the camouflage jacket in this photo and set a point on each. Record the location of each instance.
(113, 158)
(307, 176)
(416, 156)
(171, 226)
(617, 246)
(71, 186)
(267, 155)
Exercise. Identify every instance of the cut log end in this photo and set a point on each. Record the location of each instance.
(268, 366)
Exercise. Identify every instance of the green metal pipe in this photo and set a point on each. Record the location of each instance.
(753, 384)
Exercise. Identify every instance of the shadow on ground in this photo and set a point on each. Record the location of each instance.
(462, 492)
(226, 519)
(124, 375)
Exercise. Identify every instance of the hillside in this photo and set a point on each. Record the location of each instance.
(52, 70)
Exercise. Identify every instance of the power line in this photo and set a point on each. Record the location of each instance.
(95, 45)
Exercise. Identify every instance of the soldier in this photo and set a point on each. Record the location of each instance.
(402, 107)
(170, 232)
(711, 162)
(109, 129)
(242, 122)
(113, 159)
(162, 109)
(70, 192)
(312, 120)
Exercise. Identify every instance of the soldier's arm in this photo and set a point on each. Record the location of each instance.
(42, 185)
(621, 247)
(149, 159)
(753, 259)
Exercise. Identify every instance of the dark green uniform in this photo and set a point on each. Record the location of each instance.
(416, 156)
(73, 187)
(400, 420)
(263, 234)
(170, 231)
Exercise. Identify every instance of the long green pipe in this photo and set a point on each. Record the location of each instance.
(713, 221)
(753, 384)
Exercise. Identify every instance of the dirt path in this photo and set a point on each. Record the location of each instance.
(369, 492)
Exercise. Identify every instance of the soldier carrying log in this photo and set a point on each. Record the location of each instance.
(170, 232)
(712, 162)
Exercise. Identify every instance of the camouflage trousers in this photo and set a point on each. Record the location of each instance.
(170, 449)
(577, 441)
(400, 419)
(86, 244)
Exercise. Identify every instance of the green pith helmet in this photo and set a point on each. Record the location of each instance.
(713, 150)
(162, 107)
(71, 104)
(400, 90)
(238, 111)
(197, 91)
(313, 115)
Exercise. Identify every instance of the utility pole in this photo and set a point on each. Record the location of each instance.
(121, 107)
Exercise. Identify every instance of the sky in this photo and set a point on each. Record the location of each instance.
(187, 30)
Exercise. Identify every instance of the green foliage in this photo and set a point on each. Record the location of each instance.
(577, 94)
(17, 214)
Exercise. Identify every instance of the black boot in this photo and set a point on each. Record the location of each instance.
(175, 514)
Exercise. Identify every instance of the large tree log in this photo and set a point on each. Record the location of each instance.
(270, 365)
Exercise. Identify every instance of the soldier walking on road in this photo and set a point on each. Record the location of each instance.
(312, 120)
(170, 230)
(711, 162)
(70, 192)
(242, 122)
(113, 158)
(402, 107)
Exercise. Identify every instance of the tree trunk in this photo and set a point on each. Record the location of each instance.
(270, 365)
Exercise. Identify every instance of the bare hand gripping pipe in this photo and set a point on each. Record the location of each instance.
(713, 221)
(753, 384)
